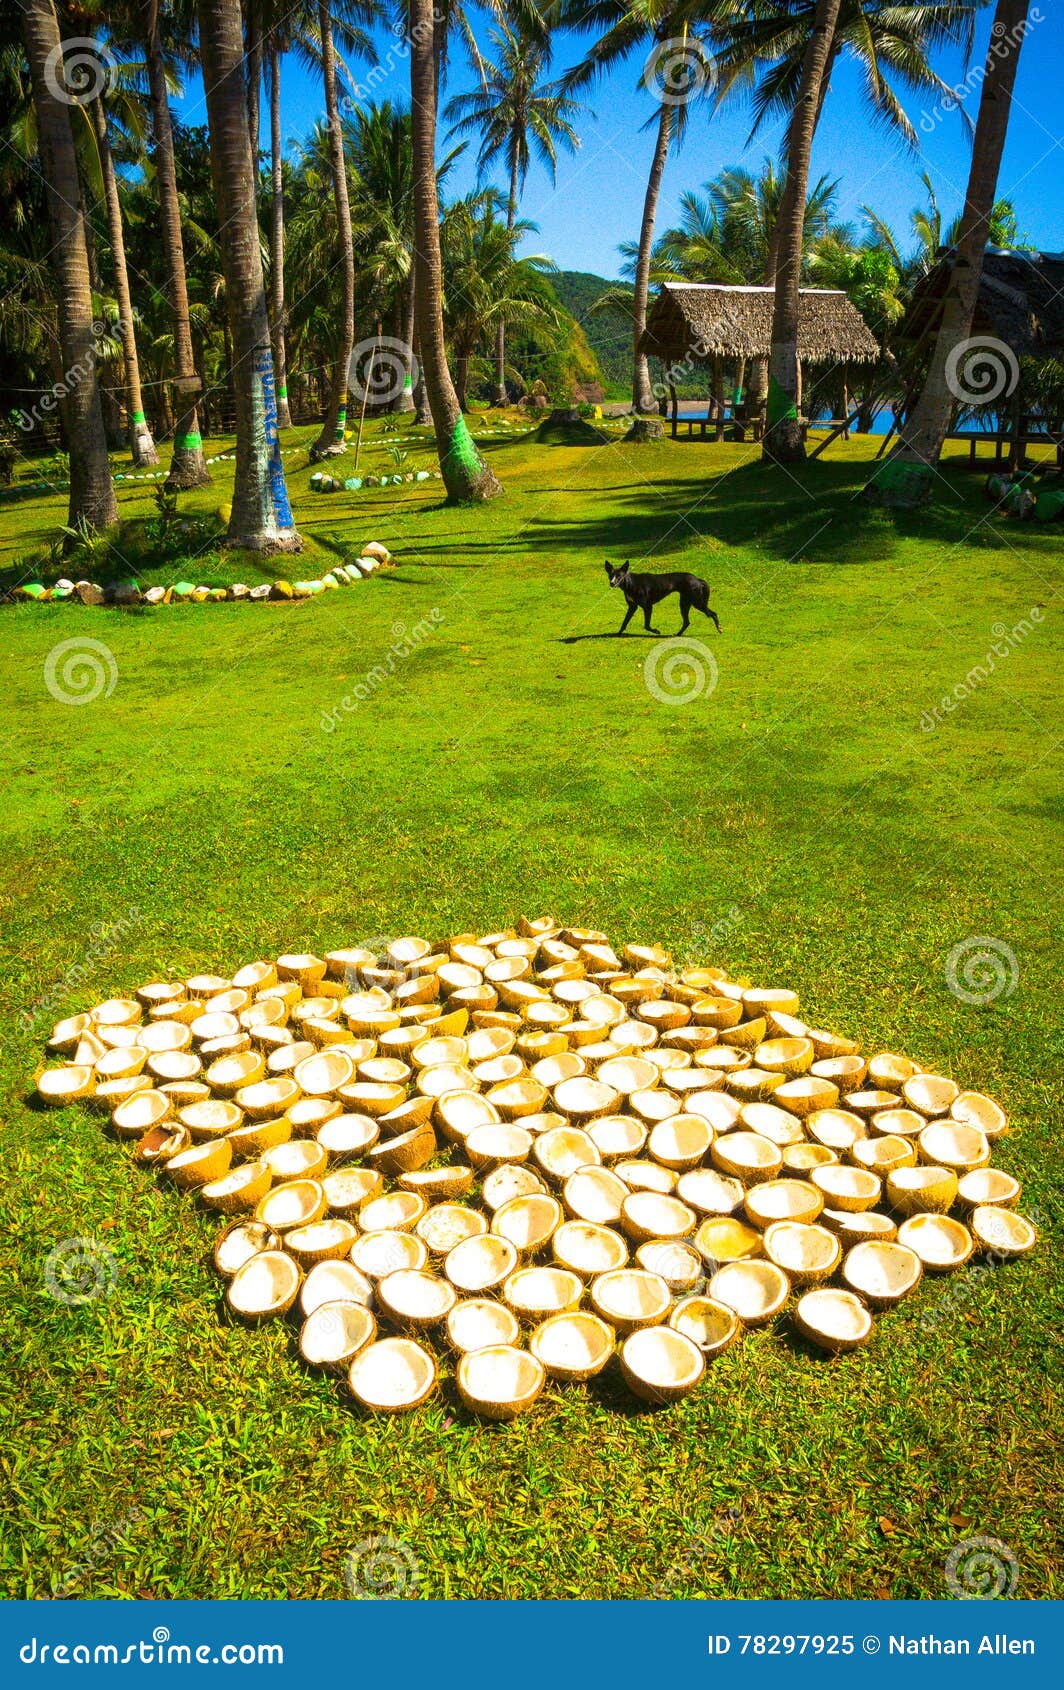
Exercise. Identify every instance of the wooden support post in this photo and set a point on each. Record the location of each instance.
(673, 407)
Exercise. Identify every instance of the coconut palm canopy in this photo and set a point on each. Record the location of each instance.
(1020, 300)
(698, 321)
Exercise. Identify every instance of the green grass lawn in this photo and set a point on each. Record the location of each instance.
(796, 823)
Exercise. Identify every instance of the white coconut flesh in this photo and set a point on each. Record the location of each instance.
(631, 1294)
(783, 1200)
(543, 1290)
(377, 1254)
(392, 1374)
(240, 1242)
(617, 1135)
(447, 1224)
(478, 1322)
(648, 1214)
(588, 1248)
(528, 1222)
(334, 1282)
(678, 1264)
(509, 1181)
(291, 1205)
(412, 1294)
(572, 1343)
(834, 1317)
(562, 1150)
(595, 1194)
(1002, 1231)
(500, 1375)
(707, 1323)
(755, 1290)
(334, 1332)
(988, 1186)
(663, 1358)
(798, 1248)
(951, 1144)
(318, 1236)
(938, 1241)
(883, 1272)
(267, 1282)
(480, 1263)
(709, 1192)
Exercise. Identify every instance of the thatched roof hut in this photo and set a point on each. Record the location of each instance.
(700, 321)
(1020, 301)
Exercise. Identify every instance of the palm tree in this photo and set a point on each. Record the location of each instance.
(517, 113)
(261, 518)
(485, 285)
(907, 476)
(675, 52)
(782, 441)
(726, 234)
(141, 444)
(92, 503)
(278, 313)
(465, 474)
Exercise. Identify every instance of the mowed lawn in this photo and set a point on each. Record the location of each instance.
(795, 823)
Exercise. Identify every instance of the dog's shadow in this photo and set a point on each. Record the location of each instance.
(639, 634)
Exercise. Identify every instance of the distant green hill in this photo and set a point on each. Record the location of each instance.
(608, 335)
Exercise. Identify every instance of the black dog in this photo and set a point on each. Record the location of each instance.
(643, 592)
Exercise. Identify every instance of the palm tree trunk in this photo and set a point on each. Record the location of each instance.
(422, 412)
(642, 393)
(92, 501)
(141, 444)
(783, 442)
(466, 476)
(278, 312)
(331, 439)
(500, 396)
(253, 65)
(188, 467)
(907, 476)
(261, 517)
(404, 399)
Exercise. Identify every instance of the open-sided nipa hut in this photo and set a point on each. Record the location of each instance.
(711, 324)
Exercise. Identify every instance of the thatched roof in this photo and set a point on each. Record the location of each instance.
(704, 320)
(1021, 300)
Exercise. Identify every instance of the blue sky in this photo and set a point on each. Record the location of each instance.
(597, 200)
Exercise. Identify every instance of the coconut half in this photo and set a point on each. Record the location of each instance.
(297, 1202)
(615, 1136)
(588, 1249)
(327, 1239)
(783, 1200)
(630, 1297)
(882, 1155)
(679, 1265)
(746, 1156)
(238, 1242)
(649, 1214)
(882, 1272)
(756, 1290)
(499, 1382)
(723, 1238)
(392, 1376)
(507, 1181)
(834, 1320)
(200, 1163)
(988, 1186)
(572, 1346)
(975, 1110)
(493, 1143)
(661, 1365)
(412, 1297)
(1001, 1232)
(528, 1222)
(941, 1243)
(952, 1144)
(645, 1176)
(845, 1187)
(534, 1293)
(709, 1192)
(480, 1264)
(712, 1326)
(807, 1254)
(240, 1188)
(376, 1254)
(295, 1158)
(396, 1211)
(334, 1333)
(595, 1194)
(334, 1282)
(562, 1150)
(60, 1086)
(347, 1189)
(447, 1224)
(478, 1322)
(921, 1190)
(136, 1115)
(266, 1285)
(681, 1142)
